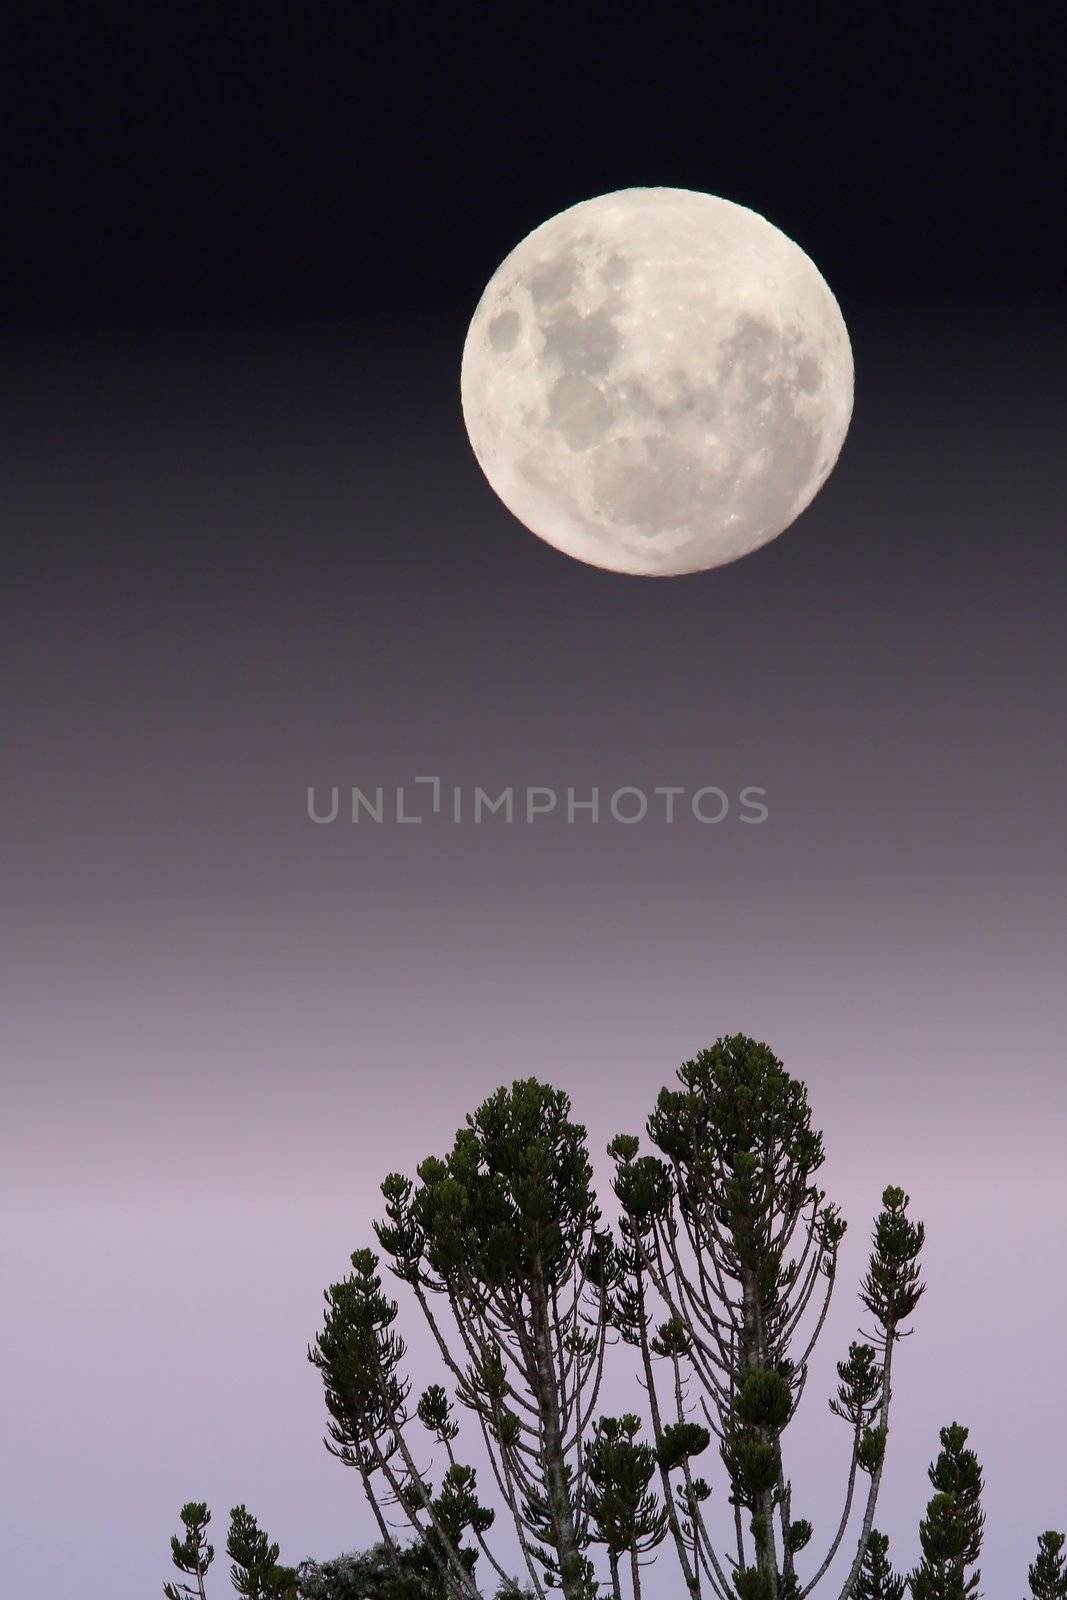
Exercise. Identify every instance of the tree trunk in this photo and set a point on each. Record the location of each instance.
(553, 1463)
(752, 1358)
(876, 1476)
(635, 1572)
(613, 1563)
(691, 1574)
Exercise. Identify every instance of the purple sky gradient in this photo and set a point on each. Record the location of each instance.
(223, 1025)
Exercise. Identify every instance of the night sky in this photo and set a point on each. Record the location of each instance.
(248, 551)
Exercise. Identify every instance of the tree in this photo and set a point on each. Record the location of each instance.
(951, 1532)
(376, 1574)
(626, 1516)
(255, 1572)
(364, 1575)
(191, 1554)
(723, 1271)
(367, 1397)
(877, 1580)
(505, 1232)
(717, 1282)
(1048, 1571)
(371, 1575)
(727, 1230)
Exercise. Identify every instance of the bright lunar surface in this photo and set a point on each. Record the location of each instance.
(657, 381)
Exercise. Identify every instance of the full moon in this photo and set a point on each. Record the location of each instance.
(657, 381)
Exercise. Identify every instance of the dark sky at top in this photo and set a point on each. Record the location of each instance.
(277, 161)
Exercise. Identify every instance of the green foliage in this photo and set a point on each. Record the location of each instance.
(750, 1583)
(799, 1535)
(359, 1576)
(720, 1277)
(724, 1242)
(422, 1575)
(893, 1288)
(727, 1223)
(643, 1188)
(435, 1413)
(860, 1388)
(506, 1229)
(359, 1358)
(741, 1158)
(752, 1463)
(877, 1579)
(457, 1507)
(1048, 1571)
(381, 1573)
(369, 1575)
(672, 1339)
(951, 1532)
(736, 1116)
(765, 1400)
(625, 1513)
(642, 1184)
(255, 1571)
(680, 1442)
(191, 1554)
(870, 1452)
(514, 1196)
